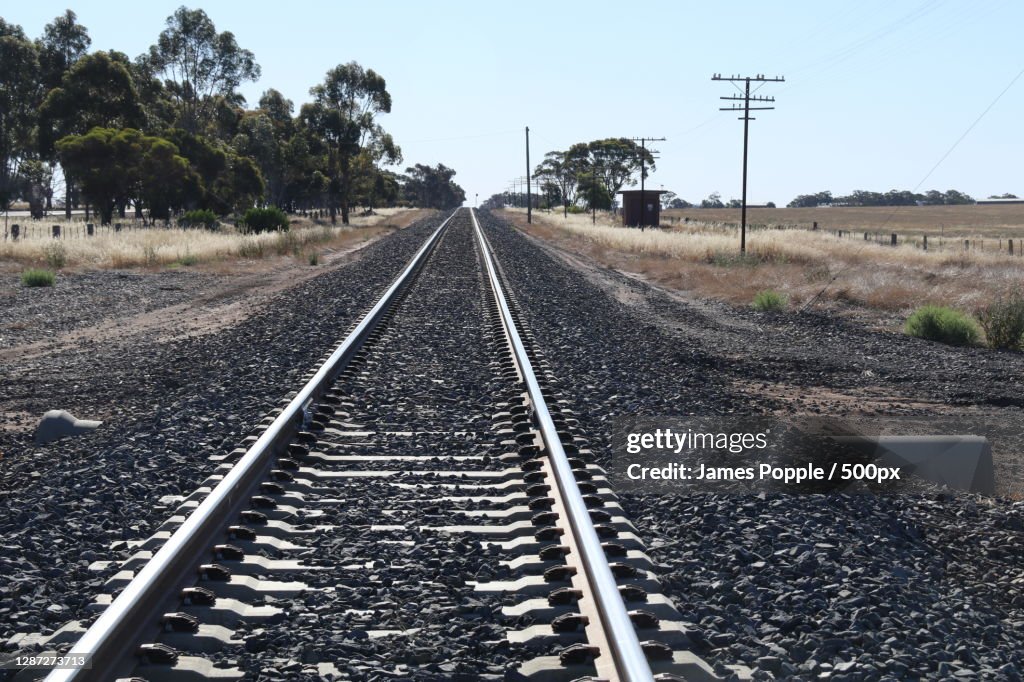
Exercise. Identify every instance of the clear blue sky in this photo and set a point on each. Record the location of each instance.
(877, 90)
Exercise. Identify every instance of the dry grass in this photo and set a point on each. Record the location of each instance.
(970, 220)
(157, 246)
(796, 262)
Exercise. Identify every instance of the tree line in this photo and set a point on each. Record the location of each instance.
(891, 198)
(587, 175)
(169, 131)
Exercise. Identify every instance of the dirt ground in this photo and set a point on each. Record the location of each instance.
(86, 309)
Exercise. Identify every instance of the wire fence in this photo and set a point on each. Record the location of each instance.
(1011, 246)
(22, 229)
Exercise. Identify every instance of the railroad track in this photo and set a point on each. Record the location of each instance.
(422, 508)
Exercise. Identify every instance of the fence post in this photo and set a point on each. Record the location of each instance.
(924, 244)
(1009, 245)
(967, 245)
(894, 239)
(15, 230)
(117, 227)
(56, 231)
(90, 229)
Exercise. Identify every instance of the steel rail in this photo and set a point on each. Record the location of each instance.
(126, 617)
(629, 659)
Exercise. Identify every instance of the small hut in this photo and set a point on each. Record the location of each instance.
(641, 207)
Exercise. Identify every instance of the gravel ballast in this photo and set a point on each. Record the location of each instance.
(812, 587)
(167, 406)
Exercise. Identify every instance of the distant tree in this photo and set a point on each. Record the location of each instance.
(228, 181)
(115, 167)
(770, 204)
(734, 203)
(63, 43)
(342, 117)
(1003, 196)
(495, 201)
(370, 180)
(617, 160)
(258, 141)
(679, 203)
(201, 66)
(666, 199)
(559, 170)
(20, 94)
(713, 200)
(432, 187)
(811, 200)
(953, 197)
(594, 192)
(97, 91)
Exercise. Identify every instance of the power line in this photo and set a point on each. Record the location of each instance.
(925, 178)
(747, 98)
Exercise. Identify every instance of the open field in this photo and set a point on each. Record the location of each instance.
(971, 220)
(869, 280)
(157, 246)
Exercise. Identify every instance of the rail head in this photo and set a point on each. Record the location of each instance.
(629, 658)
(122, 620)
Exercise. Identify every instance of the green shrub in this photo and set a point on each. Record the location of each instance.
(264, 220)
(769, 300)
(37, 278)
(314, 258)
(939, 323)
(199, 218)
(189, 259)
(55, 255)
(1003, 321)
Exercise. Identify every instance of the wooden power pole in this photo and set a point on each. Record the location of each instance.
(745, 109)
(529, 200)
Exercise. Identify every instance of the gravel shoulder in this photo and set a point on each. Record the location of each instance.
(840, 587)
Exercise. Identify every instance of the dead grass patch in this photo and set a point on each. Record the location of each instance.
(795, 262)
(159, 247)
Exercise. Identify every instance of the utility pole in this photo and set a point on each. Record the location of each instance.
(529, 201)
(746, 118)
(643, 174)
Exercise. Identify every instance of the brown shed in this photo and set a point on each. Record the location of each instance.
(646, 202)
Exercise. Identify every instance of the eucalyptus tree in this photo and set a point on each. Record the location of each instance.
(20, 93)
(561, 173)
(342, 117)
(118, 166)
(64, 42)
(203, 68)
(98, 91)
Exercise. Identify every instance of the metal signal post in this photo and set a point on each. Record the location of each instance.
(746, 109)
